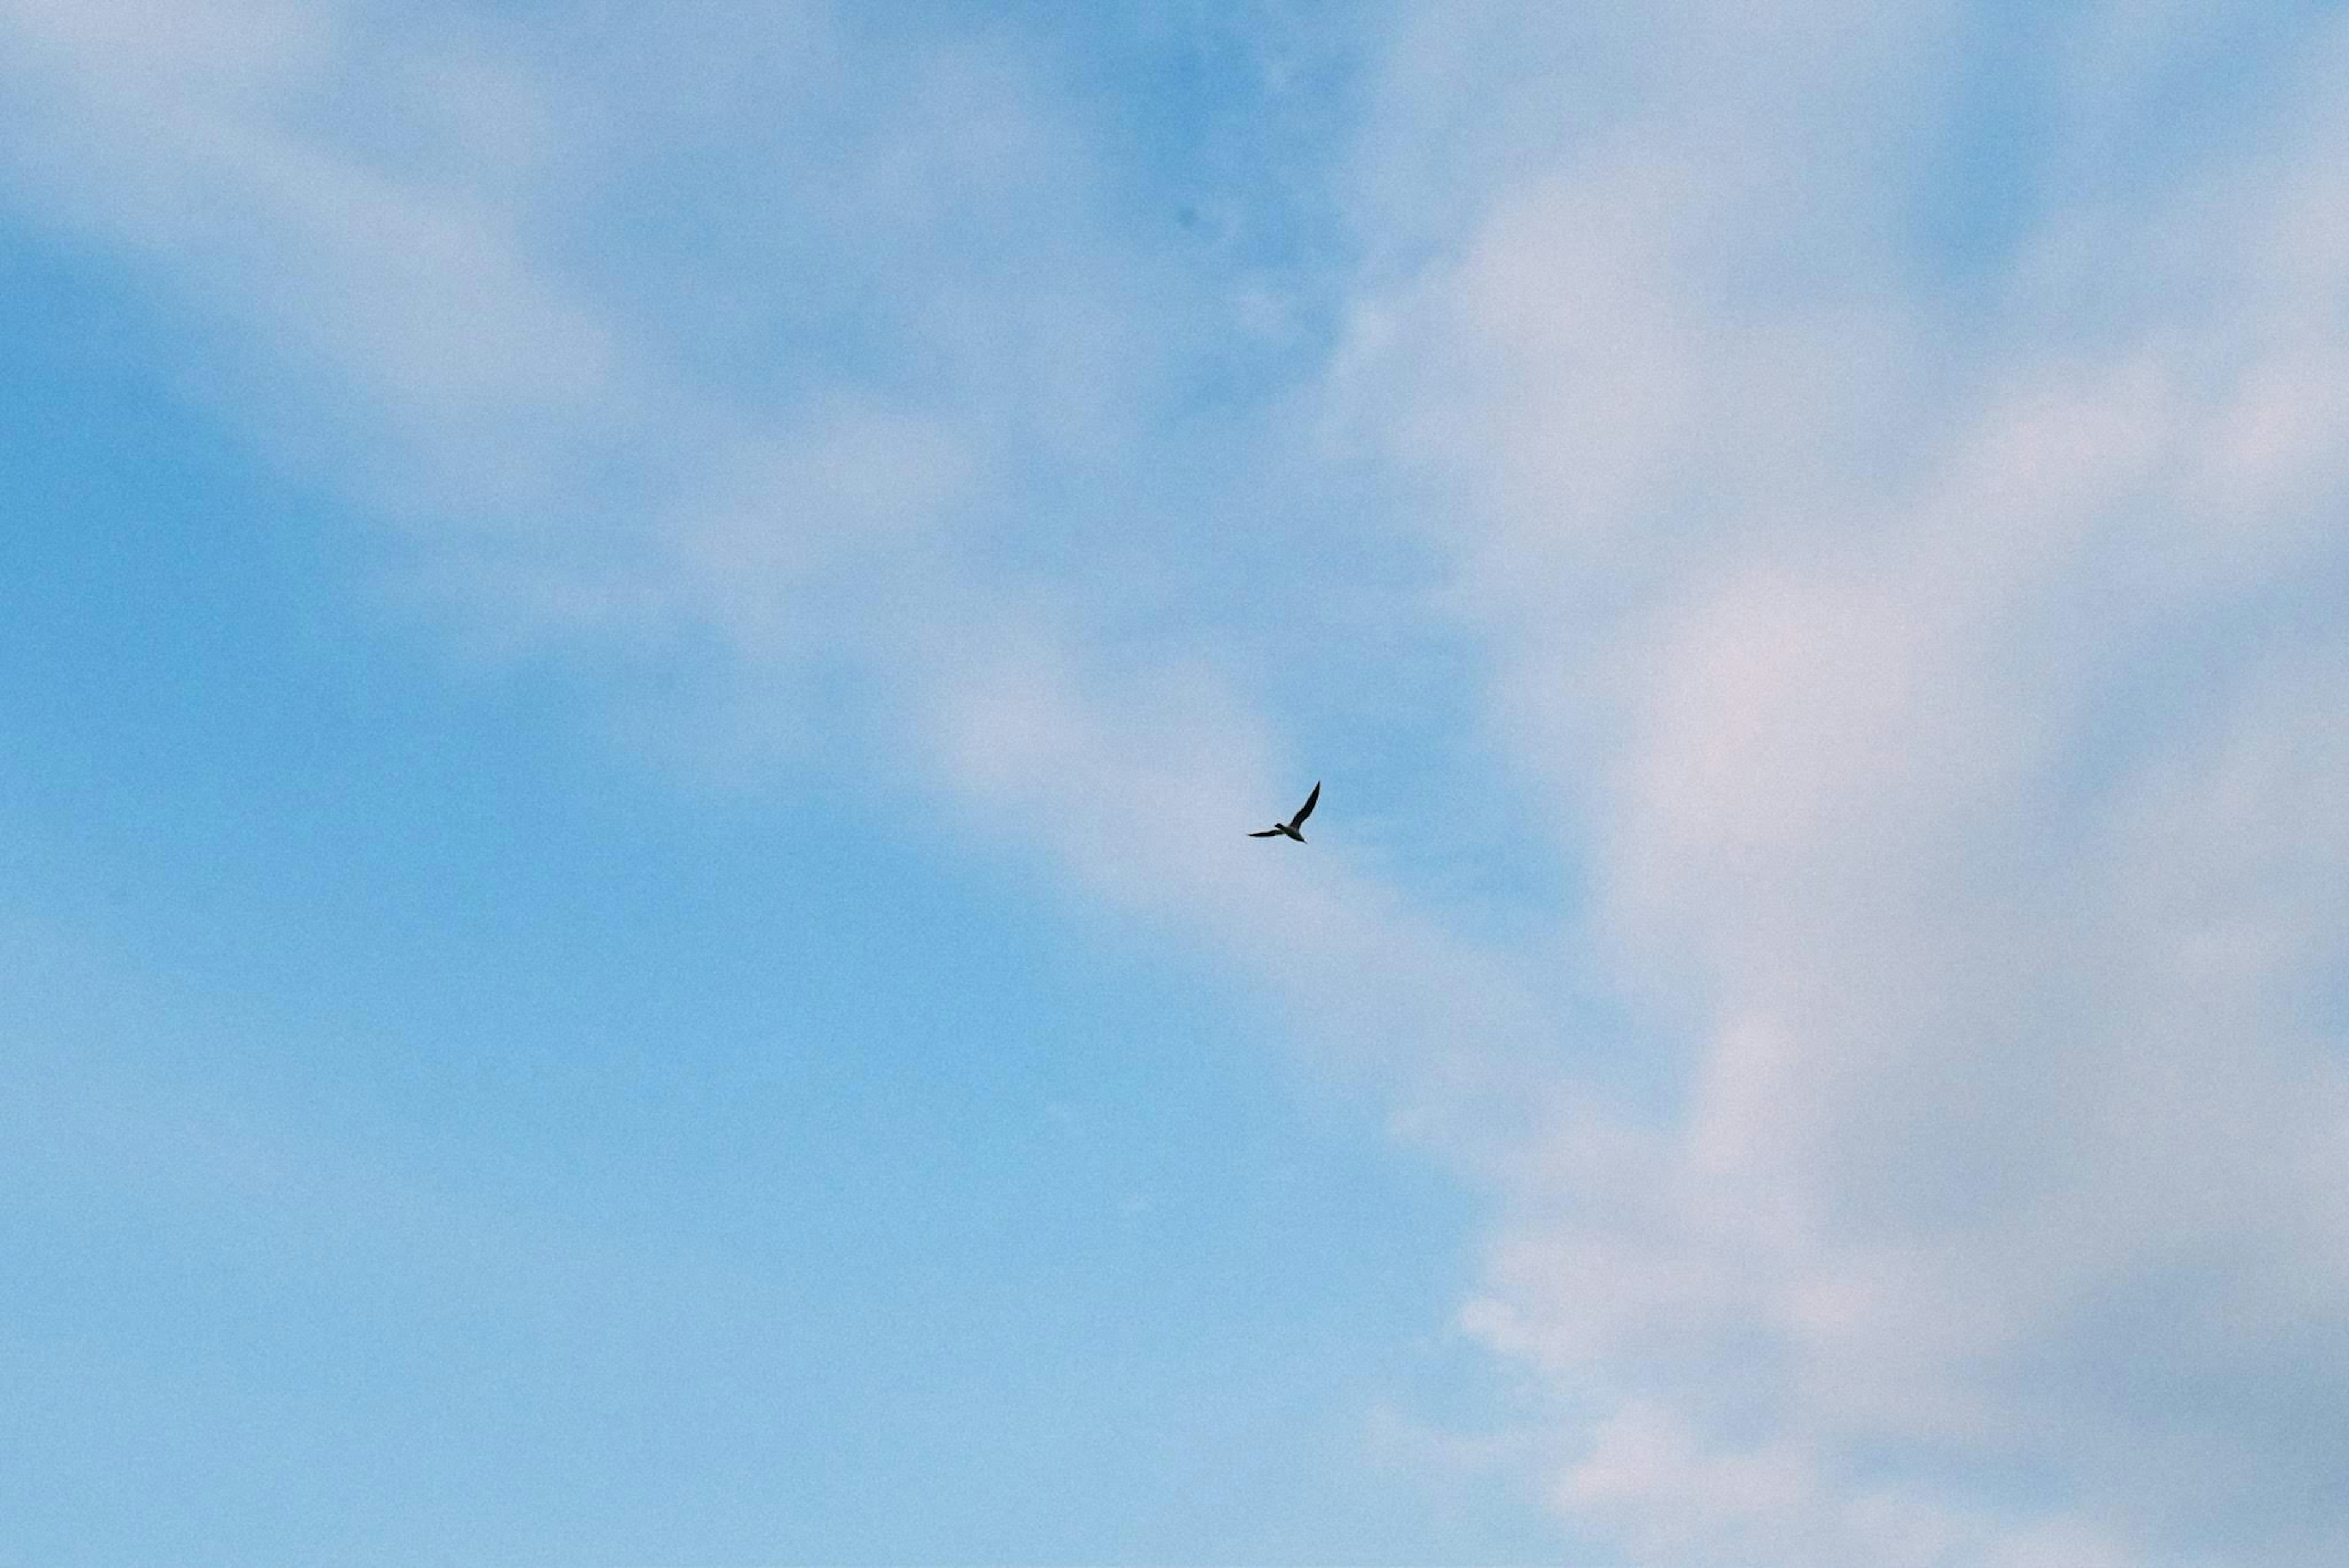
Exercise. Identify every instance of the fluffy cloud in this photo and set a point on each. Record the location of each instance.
(1958, 755)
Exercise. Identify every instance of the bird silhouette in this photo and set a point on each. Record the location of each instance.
(1288, 829)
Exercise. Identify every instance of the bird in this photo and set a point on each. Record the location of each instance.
(1288, 829)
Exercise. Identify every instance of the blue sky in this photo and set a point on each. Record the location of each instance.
(437, 1130)
(633, 649)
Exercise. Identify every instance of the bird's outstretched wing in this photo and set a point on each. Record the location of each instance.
(1267, 833)
(1307, 809)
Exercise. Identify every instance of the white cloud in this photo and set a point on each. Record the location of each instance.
(1967, 753)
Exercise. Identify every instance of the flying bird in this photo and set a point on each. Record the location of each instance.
(1288, 829)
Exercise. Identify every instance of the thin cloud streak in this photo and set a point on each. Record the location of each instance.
(565, 481)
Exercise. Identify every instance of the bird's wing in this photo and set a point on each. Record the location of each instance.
(1267, 833)
(1307, 809)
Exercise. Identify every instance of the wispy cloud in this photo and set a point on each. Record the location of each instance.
(958, 332)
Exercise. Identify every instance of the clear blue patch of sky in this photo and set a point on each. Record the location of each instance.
(437, 1135)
